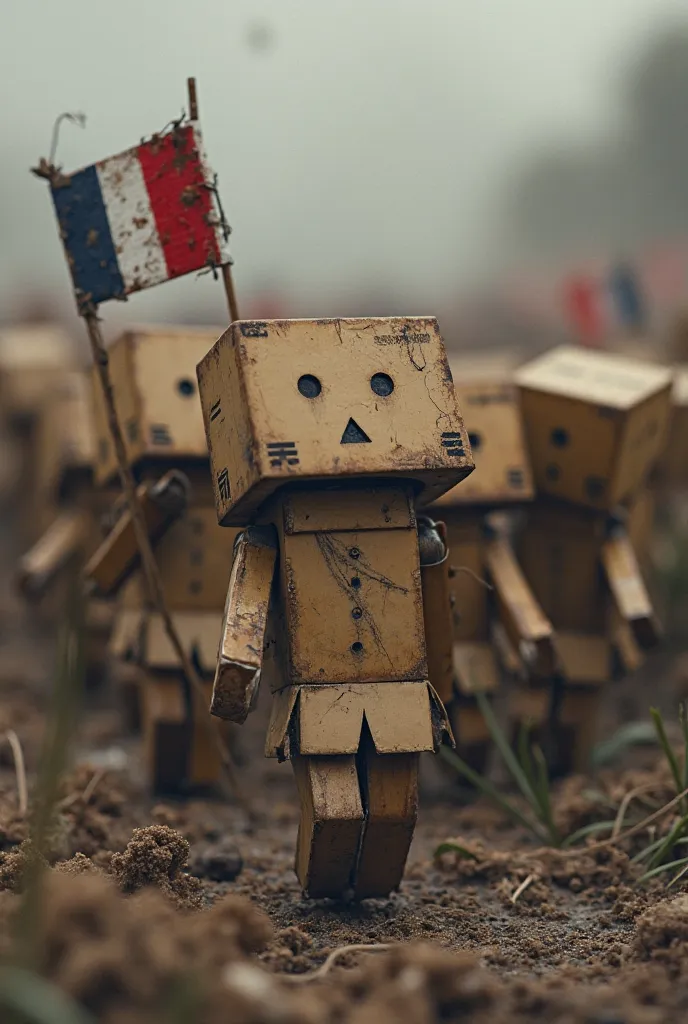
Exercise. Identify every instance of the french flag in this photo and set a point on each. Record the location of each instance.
(145, 216)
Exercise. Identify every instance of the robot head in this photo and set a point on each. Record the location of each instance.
(492, 414)
(333, 400)
(153, 371)
(595, 423)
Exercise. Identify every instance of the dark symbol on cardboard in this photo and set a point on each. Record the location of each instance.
(353, 434)
(215, 410)
(132, 429)
(514, 477)
(453, 442)
(595, 487)
(223, 485)
(254, 329)
(160, 434)
(475, 440)
(281, 452)
(559, 437)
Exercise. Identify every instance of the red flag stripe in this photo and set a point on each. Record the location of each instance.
(182, 207)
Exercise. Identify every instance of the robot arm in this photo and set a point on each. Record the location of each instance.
(437, 614)
(628, 588)
(40, 566)
(240, 657)
(162, 503)
(525, 623)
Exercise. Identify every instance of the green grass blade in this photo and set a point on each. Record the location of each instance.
(669, 842)
(524, 754)
(487, 789)
(666, 747)
(647, 851)
(455, 848)
(504, 748)
(37, 1000)
(632, 734)
(683, 720)
(588, 830)
(679, 874)
(534, 767)
(65, 702)
(661, 868)
(542, 794)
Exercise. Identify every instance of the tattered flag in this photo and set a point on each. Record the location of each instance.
(142, 217)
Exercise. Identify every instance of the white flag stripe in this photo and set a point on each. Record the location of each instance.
(132, 225)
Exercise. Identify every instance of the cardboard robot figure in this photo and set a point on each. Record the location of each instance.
(70, 511)
(32, 358)
(596, 425)
(673, 469)
(153, 375)
(499, 627)
(669, 553)
(321, 434)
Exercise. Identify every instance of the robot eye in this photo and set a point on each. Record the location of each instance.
(309, 386)
(475, 440)
(382, 384)
(559, 437)
(186, 387)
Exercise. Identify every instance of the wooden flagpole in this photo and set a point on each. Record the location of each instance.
(226, 268)
(149, 565)
(151, 573)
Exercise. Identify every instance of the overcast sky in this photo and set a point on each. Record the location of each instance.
(359, 143)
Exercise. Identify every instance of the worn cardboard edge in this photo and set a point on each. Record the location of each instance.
(284, 737)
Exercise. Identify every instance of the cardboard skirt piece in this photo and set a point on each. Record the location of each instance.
(139, 635)
(403, 718)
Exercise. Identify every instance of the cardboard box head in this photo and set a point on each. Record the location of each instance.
(153, 371)
(595, 423)
(288, 401)
(492, 414)
(31, 358)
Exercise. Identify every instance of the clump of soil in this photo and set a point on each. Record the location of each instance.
(131, 959)
(156, 856)
(14, 828)
(662, 933)
(78, 865)
(16, 866)
(422, 984)
(419, 982)
(90, 812)
(592, 867)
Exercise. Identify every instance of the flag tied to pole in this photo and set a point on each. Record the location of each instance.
(145, 216)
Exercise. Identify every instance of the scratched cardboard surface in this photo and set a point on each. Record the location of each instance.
(582, 942)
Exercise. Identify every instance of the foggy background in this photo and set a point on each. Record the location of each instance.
(407, 156)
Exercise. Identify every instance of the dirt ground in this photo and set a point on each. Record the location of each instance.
(198, 915)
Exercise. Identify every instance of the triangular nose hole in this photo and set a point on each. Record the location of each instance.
(353, 434)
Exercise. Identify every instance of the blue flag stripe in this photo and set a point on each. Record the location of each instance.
(87, 239)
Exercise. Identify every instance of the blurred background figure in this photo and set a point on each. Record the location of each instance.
(497, 190)
(69, 513)
(529, 185)
(32, 356)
